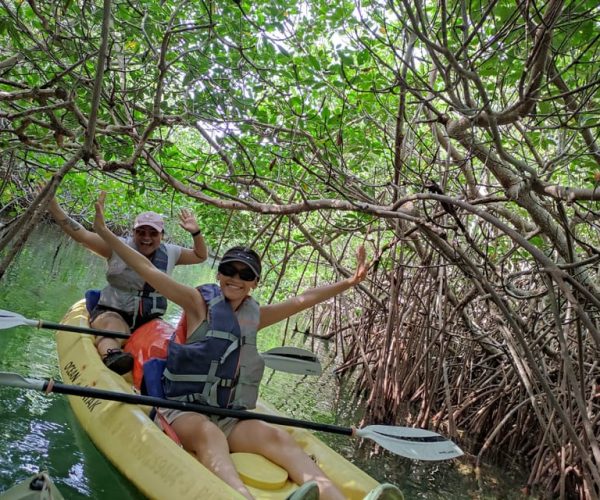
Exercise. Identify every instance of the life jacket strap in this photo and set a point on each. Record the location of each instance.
(207, 396)
(215, 300)
(222, 382)
(218, 334)
(232, 348)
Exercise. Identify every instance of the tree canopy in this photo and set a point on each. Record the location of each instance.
(457, 140)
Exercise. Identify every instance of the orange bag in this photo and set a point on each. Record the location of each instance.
(150, 341)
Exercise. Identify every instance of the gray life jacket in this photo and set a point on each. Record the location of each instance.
(220, 367)
(128, 292)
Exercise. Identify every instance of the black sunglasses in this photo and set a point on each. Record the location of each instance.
(229, 270)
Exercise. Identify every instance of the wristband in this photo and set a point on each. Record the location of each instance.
(196, 233)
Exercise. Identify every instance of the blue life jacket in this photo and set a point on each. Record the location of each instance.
(223, 368)
(92, 297)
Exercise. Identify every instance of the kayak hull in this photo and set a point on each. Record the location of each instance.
(154, 463)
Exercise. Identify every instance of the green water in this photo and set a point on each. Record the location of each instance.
(39, 431)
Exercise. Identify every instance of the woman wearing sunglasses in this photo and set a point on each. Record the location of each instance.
(211, 440)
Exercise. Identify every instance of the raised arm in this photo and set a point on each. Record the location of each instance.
(273, 313)
(185, 296)
(199, 253)
(76, 231)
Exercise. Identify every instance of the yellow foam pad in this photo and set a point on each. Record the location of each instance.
(259, 472)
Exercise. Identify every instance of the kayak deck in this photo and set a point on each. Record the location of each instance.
(37, 487)
(154, 463)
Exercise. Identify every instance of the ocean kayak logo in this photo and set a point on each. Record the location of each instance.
(72, 371)
(74, 374)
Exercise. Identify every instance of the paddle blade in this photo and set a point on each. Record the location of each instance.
(418, 444)
(292, 360)
(15, 380)
(10, 319)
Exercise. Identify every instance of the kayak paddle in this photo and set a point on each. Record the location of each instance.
(10, 319)
(417, 444)
(292, 360)
(284, 359)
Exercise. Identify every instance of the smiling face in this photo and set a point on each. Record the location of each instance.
(234, 288)
(147, 239)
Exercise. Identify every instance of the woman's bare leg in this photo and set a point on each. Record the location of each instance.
(207, 443)
(112, 321)
(256, 436)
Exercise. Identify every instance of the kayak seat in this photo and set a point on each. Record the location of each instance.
(259, 472)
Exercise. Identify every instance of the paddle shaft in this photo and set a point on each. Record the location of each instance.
(81, 329)
(90, 392)
(310, 364)
(417, 444)
(304, 364)
(285, 358)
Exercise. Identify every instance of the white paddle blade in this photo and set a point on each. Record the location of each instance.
(15, 380)
(295, 366)
(418, 444)
(10, 319)
(292, 360)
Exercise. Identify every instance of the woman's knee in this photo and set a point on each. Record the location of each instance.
(257, 434)
(279, 437)
(110, 320)
(197, 432)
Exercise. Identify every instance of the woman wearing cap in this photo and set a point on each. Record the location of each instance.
(211, 440)
(128, 301)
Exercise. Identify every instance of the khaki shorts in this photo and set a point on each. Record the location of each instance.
(226, 424)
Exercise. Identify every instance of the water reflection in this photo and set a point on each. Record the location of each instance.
(76, 478)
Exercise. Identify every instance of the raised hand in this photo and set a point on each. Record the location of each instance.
(187, 221)
(361, 266)
(99, 223)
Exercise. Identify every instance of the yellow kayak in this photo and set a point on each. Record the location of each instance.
(154, 463)
(37, 487)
